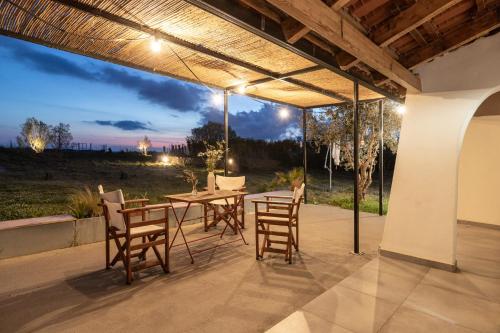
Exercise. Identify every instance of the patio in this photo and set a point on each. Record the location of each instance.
(223, 291)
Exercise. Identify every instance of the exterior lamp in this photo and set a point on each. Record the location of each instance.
(230, 161)
(155, 45)
(283, 113)
(165, 160)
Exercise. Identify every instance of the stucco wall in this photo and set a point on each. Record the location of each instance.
(421, 220)
(479, 179)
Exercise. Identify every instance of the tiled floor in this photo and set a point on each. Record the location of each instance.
(388, 295)
(225, 290)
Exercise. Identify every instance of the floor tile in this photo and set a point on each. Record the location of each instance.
(382, 284)
(401, 268)
(465, 310)
(465, 283)
(411, 321)
(305, 322)
(351, 309)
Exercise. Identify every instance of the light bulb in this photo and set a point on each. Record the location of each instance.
(401, 109)
(230, 161)
(241, 89)
(217, 99)
(284, 113)
(155, 45)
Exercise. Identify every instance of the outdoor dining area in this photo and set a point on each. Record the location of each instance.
(135, 230)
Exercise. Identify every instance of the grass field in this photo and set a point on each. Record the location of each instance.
(38, 185)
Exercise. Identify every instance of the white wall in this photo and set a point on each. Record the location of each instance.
(421, 220)
(479, 179)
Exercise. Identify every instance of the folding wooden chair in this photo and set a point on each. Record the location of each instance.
(227, 184)
(124, 230)
(283, 216)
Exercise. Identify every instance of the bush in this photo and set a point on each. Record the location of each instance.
(84, 204)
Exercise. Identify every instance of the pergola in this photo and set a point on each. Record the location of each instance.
(304, 53)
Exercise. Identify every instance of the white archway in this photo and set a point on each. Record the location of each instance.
(422, 217)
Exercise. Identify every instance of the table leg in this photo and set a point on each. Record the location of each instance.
(179, 228)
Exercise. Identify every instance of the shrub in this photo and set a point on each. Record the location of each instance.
(84, 203)
(293, 178)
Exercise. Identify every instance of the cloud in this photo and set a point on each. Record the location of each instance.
(126, 125)
(170, 93)
(261, 124)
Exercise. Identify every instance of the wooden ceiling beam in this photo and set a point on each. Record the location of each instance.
(367, 7)
(454, 39)
(330, 25)
(409, 19)
(339, 4)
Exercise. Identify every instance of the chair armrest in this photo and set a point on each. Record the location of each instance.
(274, 202)
(143, 209)
(279, 196)
(133, 201)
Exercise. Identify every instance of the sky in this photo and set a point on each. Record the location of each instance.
(107, 104)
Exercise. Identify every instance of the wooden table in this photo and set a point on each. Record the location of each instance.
(230, 213)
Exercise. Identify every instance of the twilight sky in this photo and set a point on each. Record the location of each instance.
(115, 105)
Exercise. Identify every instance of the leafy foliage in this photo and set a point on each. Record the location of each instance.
(336, 125)
(212, 154)
(293, 178)
(60, 136)
(84, 204)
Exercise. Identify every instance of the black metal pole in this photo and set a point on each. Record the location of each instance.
(356, 165)
(381, 159)
(226, 131)
(304, 149)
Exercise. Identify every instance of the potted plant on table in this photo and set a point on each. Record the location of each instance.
(212, 155)
(191, 178)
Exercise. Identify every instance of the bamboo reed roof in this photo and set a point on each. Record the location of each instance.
(58, 24)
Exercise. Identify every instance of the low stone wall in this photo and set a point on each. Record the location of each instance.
(29, 236)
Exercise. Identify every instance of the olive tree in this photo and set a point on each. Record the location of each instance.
(335, 125)
(60, 136)
(35, 134)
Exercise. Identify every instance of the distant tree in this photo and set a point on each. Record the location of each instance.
(35, 133)
(335, 125)
(144, 145)
(210, 133)
(60, 136)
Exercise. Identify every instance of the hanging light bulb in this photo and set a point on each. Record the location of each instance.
(401, 109)
(217, 98)
(283, 113)
(241, 89)
(155, 45)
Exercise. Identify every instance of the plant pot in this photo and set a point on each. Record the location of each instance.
(211, 183)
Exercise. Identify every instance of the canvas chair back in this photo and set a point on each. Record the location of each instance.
(114, 202)
(230, 183)
(298, 193)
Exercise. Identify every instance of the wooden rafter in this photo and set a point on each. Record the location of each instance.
(409, 19)
(332, 27)
(454, 39)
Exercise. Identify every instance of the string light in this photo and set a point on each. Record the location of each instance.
(155, 45)
(283, 113)
(401, 109)
(241, 89)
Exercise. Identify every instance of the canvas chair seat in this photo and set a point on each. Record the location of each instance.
(145, 229)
